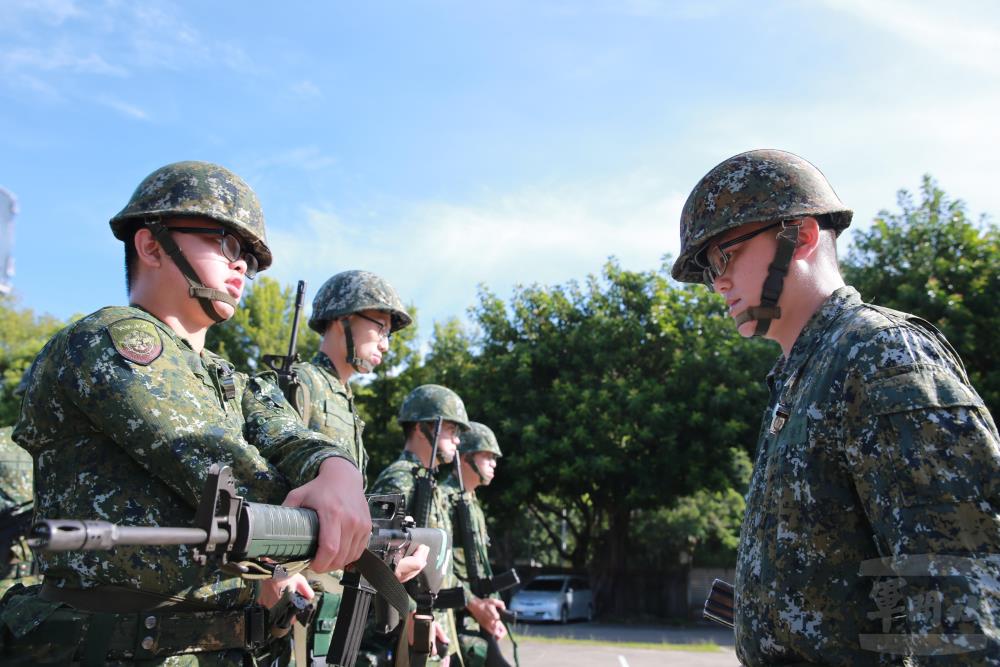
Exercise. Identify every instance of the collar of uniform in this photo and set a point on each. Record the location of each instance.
(411, 457)
(321, 361)
(843, 299)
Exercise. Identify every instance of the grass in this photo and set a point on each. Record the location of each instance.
(702, 647)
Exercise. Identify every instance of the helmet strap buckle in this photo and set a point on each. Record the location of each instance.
(788, 240)
(196, 288)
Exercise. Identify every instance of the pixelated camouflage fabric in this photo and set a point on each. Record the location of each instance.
(887, 452)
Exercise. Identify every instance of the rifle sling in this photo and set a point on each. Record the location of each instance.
(383, 580)
(119, 599)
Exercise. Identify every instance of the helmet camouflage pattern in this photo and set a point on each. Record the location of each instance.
(756, 186)
(429, 401)
(199, 189)
(353, 291)
(479, 438)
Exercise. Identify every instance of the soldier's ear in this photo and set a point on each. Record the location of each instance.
(148, 251)
(809, 238)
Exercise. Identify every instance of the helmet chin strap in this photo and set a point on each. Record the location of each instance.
(196, 288)
(471, 459)
(356, 362)
(788, 239)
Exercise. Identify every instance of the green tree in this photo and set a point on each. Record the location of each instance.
(262, 325)
(22, 336)
(932, 260)
(615, 397)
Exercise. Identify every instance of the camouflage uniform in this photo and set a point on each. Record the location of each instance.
(129, 442)
(872, 526)
(123, 419)
(887, 451)
(475, 646)
(331, 406)
(399, 477)
(15, 497)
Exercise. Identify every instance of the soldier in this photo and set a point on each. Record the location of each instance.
(418, 415)
(15, 513)
(479, 624)
(355, 312)
(124, 413)
(874, 444)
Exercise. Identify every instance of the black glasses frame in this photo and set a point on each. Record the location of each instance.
(228, 253)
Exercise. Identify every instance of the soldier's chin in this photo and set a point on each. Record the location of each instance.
(446, 457)
(224, 310)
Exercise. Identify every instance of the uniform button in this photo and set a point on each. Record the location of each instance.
(150, 622)
(147, 643)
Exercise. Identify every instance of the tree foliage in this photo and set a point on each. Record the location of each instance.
(262, 325)
(613, 397)
(22, 336)
(932, 260)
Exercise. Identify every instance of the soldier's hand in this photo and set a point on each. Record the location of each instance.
(410, 566)
(345, 523)
(271, 589)
(486, 611)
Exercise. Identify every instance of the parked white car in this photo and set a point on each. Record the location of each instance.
(554, 597)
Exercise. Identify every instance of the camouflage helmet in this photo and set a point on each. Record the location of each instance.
(479, 438)
(353, 291)
(199, 189)
(756, 186)
(429, 401)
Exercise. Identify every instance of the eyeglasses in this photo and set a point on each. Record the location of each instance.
(232, 247)
(382, 333)
(715, 260)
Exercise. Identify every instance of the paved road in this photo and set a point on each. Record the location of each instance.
(611, 653)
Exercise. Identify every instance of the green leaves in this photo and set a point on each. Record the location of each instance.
(22, 336)
(932, 260)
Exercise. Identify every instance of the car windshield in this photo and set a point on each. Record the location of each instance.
(545, 585)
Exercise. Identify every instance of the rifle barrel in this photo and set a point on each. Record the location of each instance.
(59, 535)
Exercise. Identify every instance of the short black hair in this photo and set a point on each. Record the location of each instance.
(131, 256)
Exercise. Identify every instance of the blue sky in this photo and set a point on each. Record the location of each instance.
(447, 144)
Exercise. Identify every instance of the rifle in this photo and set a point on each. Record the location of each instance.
(480, 585)
(254, 540)
(288, 379)
(423, 491)
(427, 597)
(719, 605)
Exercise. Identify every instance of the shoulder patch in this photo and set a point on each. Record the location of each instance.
(137, 340)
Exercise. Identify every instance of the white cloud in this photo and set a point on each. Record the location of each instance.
(58, 58)
(123, 107)
(437, 252)
(962, 33)
(308, 158)
(306, 89)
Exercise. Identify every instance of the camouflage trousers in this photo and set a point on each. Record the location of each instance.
(35, 631)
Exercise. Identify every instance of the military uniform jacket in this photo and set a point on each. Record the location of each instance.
(124, 419)
(399, 478)
(331, 407)
(874, 446)
(480, 538)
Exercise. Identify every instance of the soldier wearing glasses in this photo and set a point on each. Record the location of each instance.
(124, 413)
(874, 445)
(355, 312)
